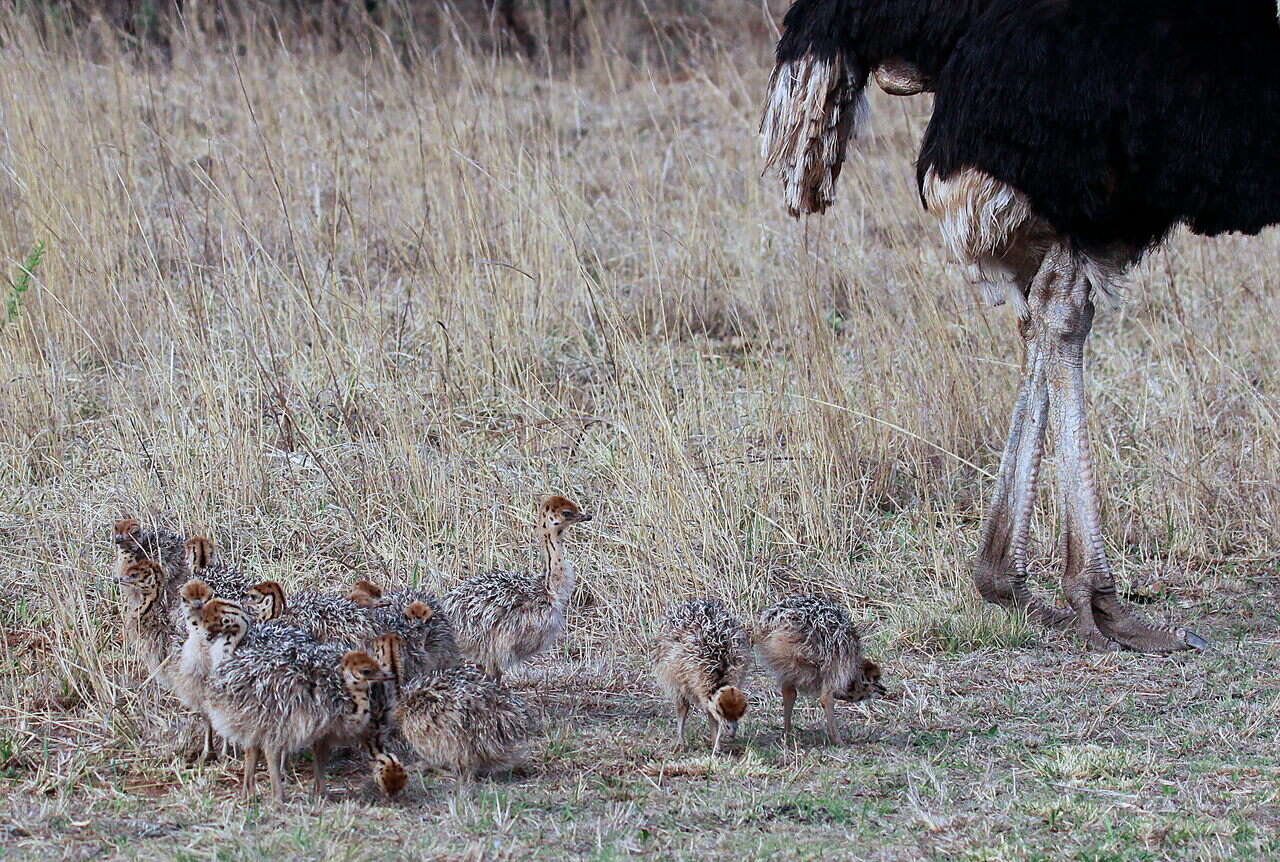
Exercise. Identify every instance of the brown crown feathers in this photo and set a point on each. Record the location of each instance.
(195, 592)
(361, 666)
(564, 508)
(365, 594)
(267, 600)
(124, 528)
(420, 611)
(199, 553)
(731, 703)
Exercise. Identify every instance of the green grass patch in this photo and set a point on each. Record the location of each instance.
(960, 627)
(19, 286)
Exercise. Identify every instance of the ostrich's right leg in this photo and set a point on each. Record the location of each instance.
(1101, 617)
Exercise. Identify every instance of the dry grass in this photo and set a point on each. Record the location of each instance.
(348, 315)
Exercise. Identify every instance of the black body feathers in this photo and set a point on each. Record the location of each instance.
(1117, 119)
(870, 32)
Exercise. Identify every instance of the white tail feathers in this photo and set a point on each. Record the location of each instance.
(814, 106)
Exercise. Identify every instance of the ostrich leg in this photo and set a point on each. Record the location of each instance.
(1059, 319)
(1000, 572)
(1101, 618)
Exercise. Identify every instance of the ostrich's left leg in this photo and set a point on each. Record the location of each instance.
(1087, 579)
(1000, 571)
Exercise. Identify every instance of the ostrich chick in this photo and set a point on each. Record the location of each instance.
(388, 772)
(149, 618)
(135, 543)
(327, 617)
(278, 691)
(502, 618)
(809, 644)
(704, 655)
(388, 651)
(162, 634)
(461, 720)
(429, 640)
(193, 663)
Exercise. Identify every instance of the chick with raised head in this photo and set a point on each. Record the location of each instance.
(180, 558)
(149, 624)
(192, 671)
(225, 624)
(277, 690)
(160, 632)
(162, 546)
(704, 656)
(465, 722)
(809, 645)
(502, 618)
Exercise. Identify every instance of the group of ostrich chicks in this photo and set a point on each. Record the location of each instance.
(274, 674)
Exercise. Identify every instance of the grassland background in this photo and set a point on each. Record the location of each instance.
(346, 300)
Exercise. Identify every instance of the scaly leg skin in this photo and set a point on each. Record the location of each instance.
(828, 702)
(788, 704)
(1101, 618)
(319, 763)
(682, 713)
(274, 759)
(206, 750)
(250, 771)
(1000, 572)
(990, 571)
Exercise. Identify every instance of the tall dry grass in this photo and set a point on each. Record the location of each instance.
(349, 312)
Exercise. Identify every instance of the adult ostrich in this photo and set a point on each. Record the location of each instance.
(1068, 138)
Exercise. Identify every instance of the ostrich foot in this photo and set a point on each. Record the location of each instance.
(1126, 627)
(1108, 625)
